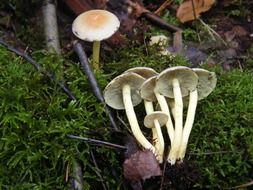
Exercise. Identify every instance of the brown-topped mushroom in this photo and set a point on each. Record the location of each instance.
(95, 26)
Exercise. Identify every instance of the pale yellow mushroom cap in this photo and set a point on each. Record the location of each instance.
(160, 116)
(159, 39)
(145, 72)
(187, 78)
(206, 83)
(147, 89)
(95, 25)
(113, 91)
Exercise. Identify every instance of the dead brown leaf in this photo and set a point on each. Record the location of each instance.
(190, 9)
(141, 166)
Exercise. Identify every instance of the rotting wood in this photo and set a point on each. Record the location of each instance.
(50, 26)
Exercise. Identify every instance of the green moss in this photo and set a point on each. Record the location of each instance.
(35, 119)
(224, 122)
(139, 55)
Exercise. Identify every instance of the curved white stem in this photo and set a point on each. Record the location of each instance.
(172, 107)
(164, 107)
(150, 109)
(160, 140)
(193, 99)
(126, 92)
(178, 122)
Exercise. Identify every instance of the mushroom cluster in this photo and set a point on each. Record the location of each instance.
(164, 95)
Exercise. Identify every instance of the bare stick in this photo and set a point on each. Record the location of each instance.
(163, 176)
(92, 80)
(77, 175)
(153, 17)
(162, 7)
(97, 171)
(50, 26)
(160, 22)
(97, 142)
(242, 186)
(210, 153)
(178, 41)
(39, 68)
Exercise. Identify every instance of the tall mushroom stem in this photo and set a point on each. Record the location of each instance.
(164, 107)
(178, 122)
(172, 107)
(95, 55)
(193, 99)
(156, 132)
(126, 92)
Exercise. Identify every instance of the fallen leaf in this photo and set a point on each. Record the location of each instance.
(141, 166)
(239, 31)
(186, 10)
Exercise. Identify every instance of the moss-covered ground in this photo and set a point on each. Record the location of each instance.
(36, 117)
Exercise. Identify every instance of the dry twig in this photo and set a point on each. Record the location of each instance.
(99, 142)
(162, 7)
(92, 80)
(242, 186)
(97, 170)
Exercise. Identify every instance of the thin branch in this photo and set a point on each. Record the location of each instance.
(178, 42)
(152, 17)
(162, 7)
(242, 186)
(39, 68)
(210, 153)
(97, 170)
(163, 176)
(160, 22)
(77, 175)
(112, 145)
(92, 80)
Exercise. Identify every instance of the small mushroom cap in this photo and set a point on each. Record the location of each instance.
(147, 89)
(187, 78)
(159, 115)
(145, 72)
(159, 39)
(95, 25)
(113, 91)
(206, 83)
